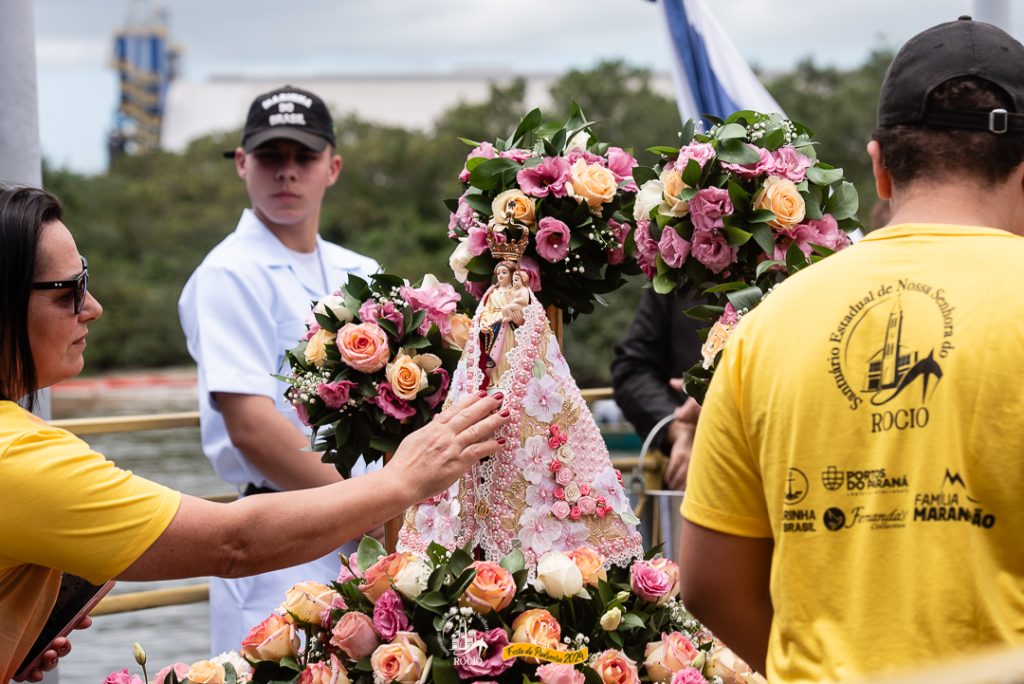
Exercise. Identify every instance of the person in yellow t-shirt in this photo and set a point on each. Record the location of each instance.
(853, 505)
(66, 509)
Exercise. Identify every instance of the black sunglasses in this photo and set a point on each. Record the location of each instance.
(79, 284)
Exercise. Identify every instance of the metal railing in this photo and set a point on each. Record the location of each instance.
(197, 593)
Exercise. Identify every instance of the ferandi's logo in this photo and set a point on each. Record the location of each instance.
(888, 350)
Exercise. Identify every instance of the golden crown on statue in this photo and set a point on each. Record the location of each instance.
(503, 246)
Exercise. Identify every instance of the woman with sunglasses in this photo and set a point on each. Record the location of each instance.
(67, 509)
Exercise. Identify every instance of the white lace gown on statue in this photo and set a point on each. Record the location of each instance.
(552, 485)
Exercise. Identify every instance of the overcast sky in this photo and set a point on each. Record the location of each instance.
(306, 37)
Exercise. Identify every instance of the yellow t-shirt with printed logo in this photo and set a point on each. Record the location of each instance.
(868, 417)
(65, 509)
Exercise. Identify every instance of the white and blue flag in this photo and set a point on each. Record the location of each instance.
(711, 77)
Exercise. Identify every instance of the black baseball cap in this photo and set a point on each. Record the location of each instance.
(957, 48)
(290, 113)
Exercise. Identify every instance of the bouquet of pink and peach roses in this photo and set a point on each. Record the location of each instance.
(375, 364)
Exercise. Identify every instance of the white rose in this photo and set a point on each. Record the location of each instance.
(458, 261)
(336, 305)
(578, 142)
(559, 575)
(610, 620)
(648, 198)
(411, 581)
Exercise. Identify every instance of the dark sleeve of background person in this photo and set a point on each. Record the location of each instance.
(662, 342)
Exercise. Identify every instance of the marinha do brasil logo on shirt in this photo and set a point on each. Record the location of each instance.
(892, 344)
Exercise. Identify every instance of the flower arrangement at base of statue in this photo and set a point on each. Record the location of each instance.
(445, 618)
(567, 191)
(734, 212)
(375, 364)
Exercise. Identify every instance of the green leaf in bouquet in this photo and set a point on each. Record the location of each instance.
(664, 283)
(764, 237)
(642, 174)
(726, 287)
(473, 163)
(795, 259)
(737, 195)
(773, 140)
(746, 299)
(291, 663)
(691, 174)
(844, 202)
(369, 552)
(479, 202)
(414, 321)
(230, 674)
(389, 327)
(812, 201)
(357, 287)
(481, 264)
(744, 116)
(765, 265)
(415, 342)
(443, 672)
(631, 621)
(471, 143)
(686, 135)
(663, 150)
(705, 312)
(272, 671)
(491, 174)
(460, 560)
(761, 216)
(526, 125)
(558, 142)
(514, 561)
(520, 578)
(736, 152)
(731, 131)
(696, 381)
(386, 443)
(616, 640)
(662, 220)
(461, 583)
(735, 236)
(822, 250)
(433, 601)
(823, 174)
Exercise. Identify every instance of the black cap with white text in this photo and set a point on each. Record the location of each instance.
(290, 113)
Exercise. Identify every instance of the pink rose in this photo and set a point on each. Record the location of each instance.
(552, 239)
(646, 248)
(560, 509)
(485, 150)
(615, 667)
(710, 248)
(389, 616)
(789, 163)
(371, 310)
(337, 603)
(122, 677)
(325, 673)
(301, 412)
(670, 655)
(476, 662)
(390, 403)
(563, 476)
(622, 163)
(335, 394)
(708, 207)
(587, 505)
(516, 154)
(364, 347)
(699, 152)
(824, 232)
(355, 636)
(587, 156)
(555, 673)
(616, 255)
(655, 581)
(762, 165)
(404, 660)
(163, 676)
(436, 298)
(476, 239)
(546, 178)
(530, 265)
(673, 248)
(688, 675)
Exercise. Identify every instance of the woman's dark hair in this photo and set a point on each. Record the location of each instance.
(23, 213)
(911, 152)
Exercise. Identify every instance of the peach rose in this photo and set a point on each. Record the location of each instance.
(354, 635)
(406, 377)
(307, 601)
(206, 672)
(459, 333)
(615, 667)
(492, 588)
(536, 626)
(378, 577)
(672, 184)
(592, 183)
(316, 347)
(363, 346)
(590, 563)
(668, 656)
(780, 196)
(513, 205)
(325, 673)
(404, 660)
(717, 337)
(722, 662)
(272, 639)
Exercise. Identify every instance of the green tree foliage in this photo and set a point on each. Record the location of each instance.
(148, 222)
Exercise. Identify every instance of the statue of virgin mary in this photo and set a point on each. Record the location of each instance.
(551, 486)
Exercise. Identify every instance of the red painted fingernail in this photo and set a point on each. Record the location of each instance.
(499, 396)
(502, 440)
(482, 393)
(505, 413)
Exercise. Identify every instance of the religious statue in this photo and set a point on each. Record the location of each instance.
(551, 486)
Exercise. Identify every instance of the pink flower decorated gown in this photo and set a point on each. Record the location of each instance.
(552, 485)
